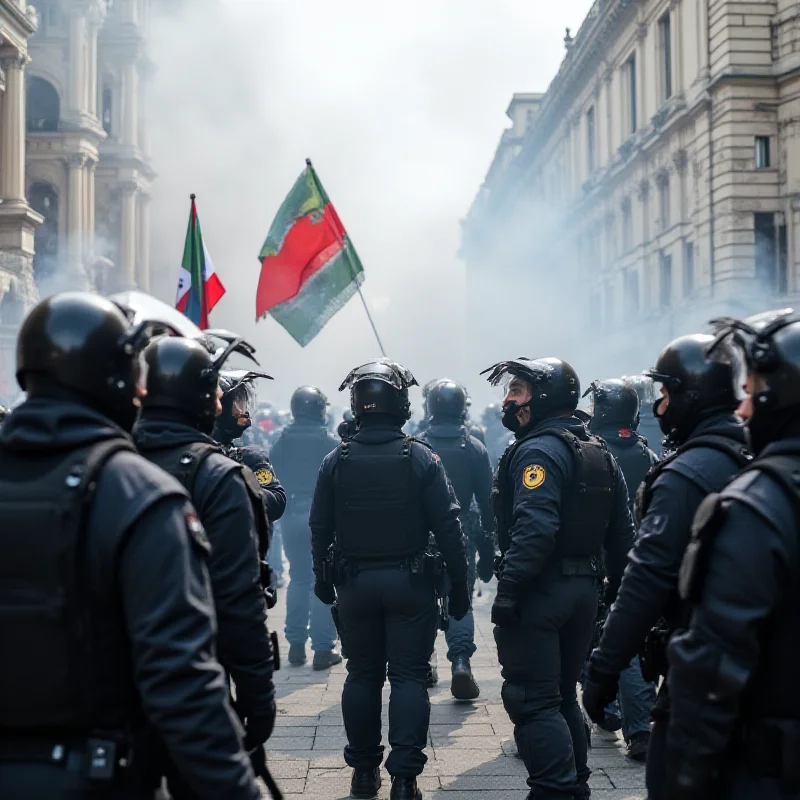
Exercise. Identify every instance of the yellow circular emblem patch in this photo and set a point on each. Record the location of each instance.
(264, 476)
(533, 476)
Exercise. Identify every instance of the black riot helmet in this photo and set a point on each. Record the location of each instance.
(239, 403)
(554, 385)
(770, 346)
(82, 346)
(698, 387)
(615, 405)
(183, 376)
(426, 393)
(309, 403)
(447, 400)
(380, 387)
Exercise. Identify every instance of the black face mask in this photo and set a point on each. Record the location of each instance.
(664, 421)
(231, 426)
(763, 427)
(510, 419)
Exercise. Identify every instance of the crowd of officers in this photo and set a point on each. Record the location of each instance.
(134, 583)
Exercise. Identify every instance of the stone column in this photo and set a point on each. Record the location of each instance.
(127, 249)
(676, 27)
(130, 134)
(77, 62)
(130, 12)
(641, 76)
(143, 244)
(76, 180)
(12, 125)
(89, 220)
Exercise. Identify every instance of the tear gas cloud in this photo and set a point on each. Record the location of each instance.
(400, 106)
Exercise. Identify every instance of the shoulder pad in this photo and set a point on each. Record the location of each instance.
(694, 566)
(414, 440)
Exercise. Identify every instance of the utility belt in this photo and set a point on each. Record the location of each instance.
(770, 747)
(653, 655)
(102, 757)
(567, 567)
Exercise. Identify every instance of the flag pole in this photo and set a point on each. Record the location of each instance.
(345, 245)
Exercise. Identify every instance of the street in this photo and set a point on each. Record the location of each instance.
(471, 751)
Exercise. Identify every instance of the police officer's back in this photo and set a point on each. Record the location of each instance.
(108, 622)
(696, 412)
(561, 505)
(615, 419)
(466, 463)
(177, 418)
(297, 454)
(735, 723)
(648, 422)
(377, 498)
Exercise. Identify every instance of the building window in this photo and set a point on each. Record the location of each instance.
(43, 108)
(108, 109)
(591, 140)
(629, 83)
(627, 227)
(770, 252)
(762, 152)
(665, 40)
(688, 268)
(631, 282)
(663, 202)
(665, 280)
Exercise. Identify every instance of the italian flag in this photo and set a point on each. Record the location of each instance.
(199, 288)
(309, 267)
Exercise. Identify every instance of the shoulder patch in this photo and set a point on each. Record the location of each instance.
(533, 476)
(264, 476)
(196, 530)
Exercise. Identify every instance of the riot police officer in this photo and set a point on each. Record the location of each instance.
(179, 410)
(695, 411)
(615, 419)
(561, 504)
(648, 422)
(108, 621)
(734, 730)
(377, 498)
(239, 404)
(298, 453)
(466, 463)
(347, 427)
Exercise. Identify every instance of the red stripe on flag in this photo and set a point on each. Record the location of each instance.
(308, 246)
(181, 304)
(213, 290)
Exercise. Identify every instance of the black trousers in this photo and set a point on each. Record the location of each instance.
(542, 660)
(387, 618)
(51, 782)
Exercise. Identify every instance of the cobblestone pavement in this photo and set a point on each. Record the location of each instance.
(471, 751)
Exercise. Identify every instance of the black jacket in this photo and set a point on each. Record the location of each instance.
(223, 503)
(256, 459)
(744, 641)
(649, 587)
(440, 508)
(153, 614)
(536, 517)
(477, 482)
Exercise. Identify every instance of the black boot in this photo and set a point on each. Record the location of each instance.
(365, 783)
(463, 686)
(405, 789)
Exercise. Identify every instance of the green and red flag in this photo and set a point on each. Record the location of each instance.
(309, 267)
(199, 288)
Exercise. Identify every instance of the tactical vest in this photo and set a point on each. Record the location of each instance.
(634, 461)
(723, 444)
(50, 671)
(378, 508)
(184, 461)
(454, 452)
(304, 449)
(771, 692)
(586, 503)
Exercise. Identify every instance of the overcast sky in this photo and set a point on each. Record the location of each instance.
(400, 106)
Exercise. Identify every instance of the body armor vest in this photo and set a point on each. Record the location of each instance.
(586, 504)
(771, 691)
(378, 509)
(454, 452)
(50, 673)
(723, 444)
(634, 461)
(183, 463)
(303, 450)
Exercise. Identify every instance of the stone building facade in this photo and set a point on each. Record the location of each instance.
(656, 184)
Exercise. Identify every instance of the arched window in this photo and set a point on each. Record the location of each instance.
(43, 199)
(108, 109)
(12, 311)
(44, 106)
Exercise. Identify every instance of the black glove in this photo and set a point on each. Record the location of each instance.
(459, 600)
(688, 779)
(486, 554)
(599, 689)
(325, 592)
(505, 611)
(258, 727)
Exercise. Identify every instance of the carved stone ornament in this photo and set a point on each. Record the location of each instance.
(662, 177)
(680, 159)
(643, 189)
(641, 31)
(625, 204)
(625, 149)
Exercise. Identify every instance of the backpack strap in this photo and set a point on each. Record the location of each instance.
(785, 471)
(190, 462)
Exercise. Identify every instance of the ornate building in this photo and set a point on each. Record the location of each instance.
(655, 184)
